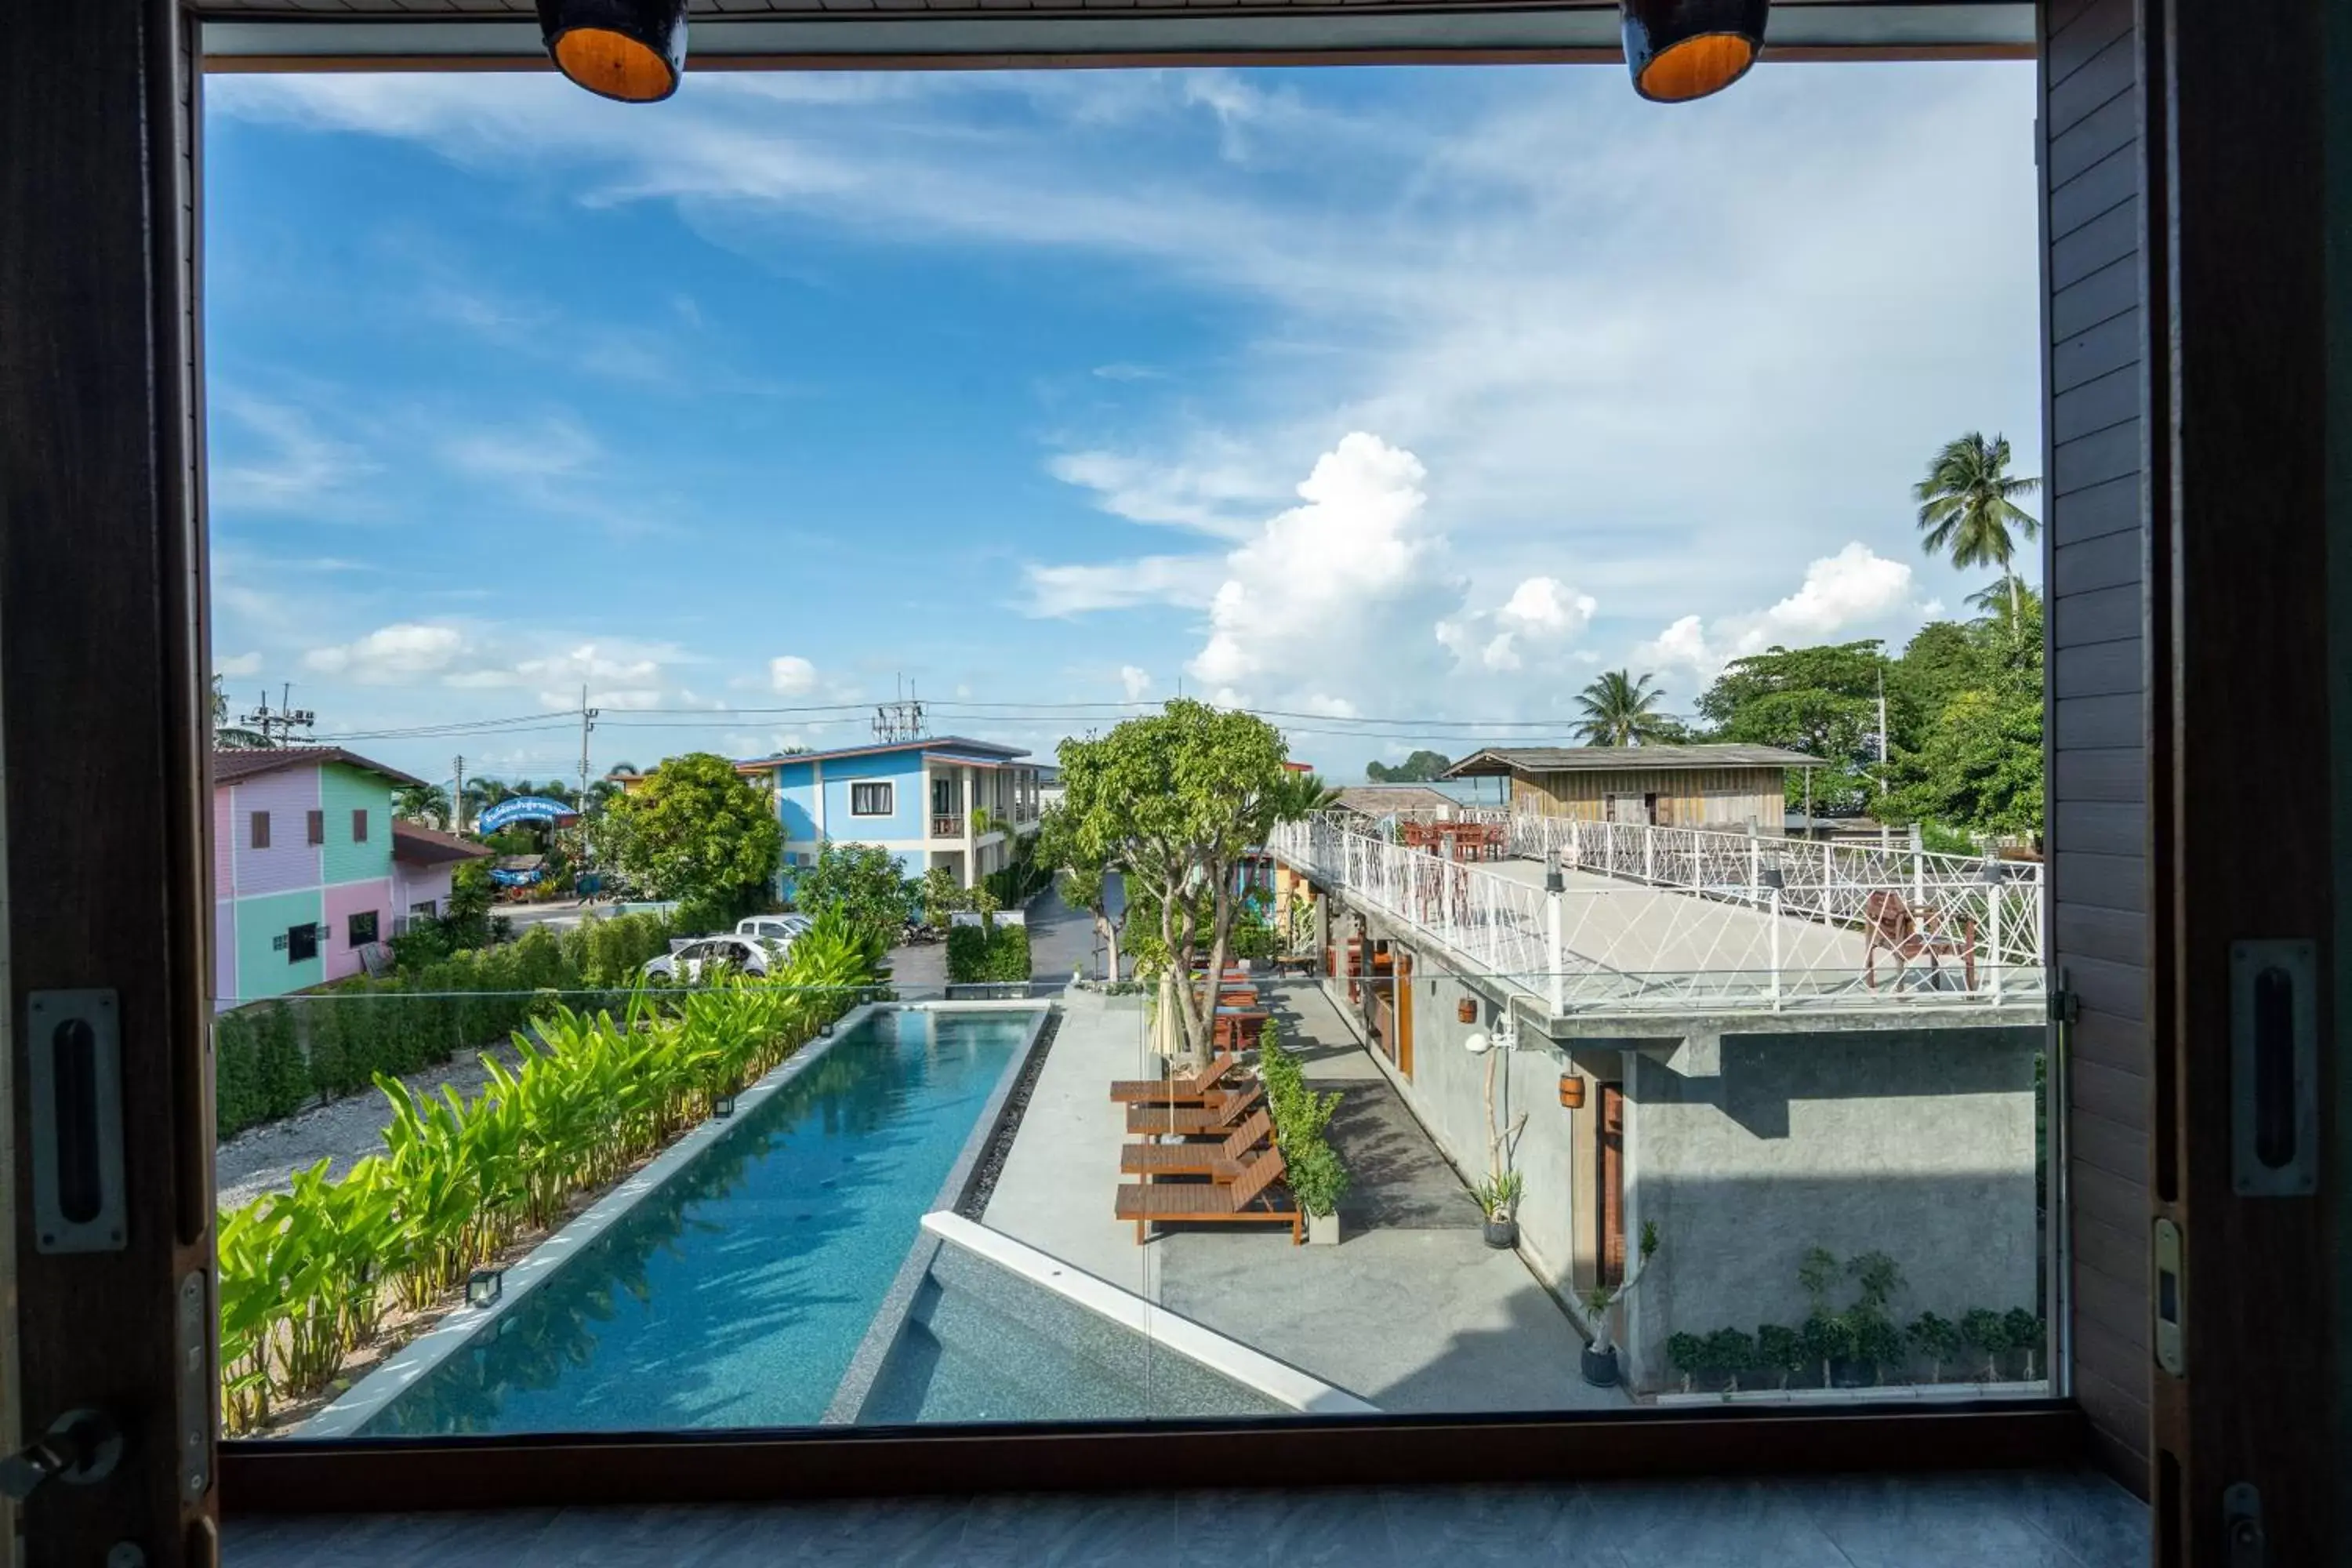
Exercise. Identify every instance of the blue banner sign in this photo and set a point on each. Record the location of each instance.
(523, 878)
(521, 808)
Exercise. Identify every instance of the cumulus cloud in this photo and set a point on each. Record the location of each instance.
(1135, 681)
(390, 655)
(1853, 593)
(1210, 490)
(239, 664)
(790, 675)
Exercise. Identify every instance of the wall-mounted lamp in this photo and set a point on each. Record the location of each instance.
(483, 1286)
(1478, 1042)
(1683, 49)
(1572, 1090)
(631, 50)
(1466, 1010)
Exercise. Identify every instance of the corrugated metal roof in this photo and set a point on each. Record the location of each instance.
(1588, 759)
(230, 767)
(984, 751)
(1379, 800)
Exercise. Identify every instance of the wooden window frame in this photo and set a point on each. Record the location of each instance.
(359, 825)
(129, 84)
(257, 830)
(314, 828)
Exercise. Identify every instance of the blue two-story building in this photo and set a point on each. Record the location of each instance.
(943, 801)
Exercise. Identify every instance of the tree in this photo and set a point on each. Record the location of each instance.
(1619, 711)
(1418, 768)
(1174, 800)
(422, 803)
(1822, 701)
(697, 831)
(1976, 765)
(864, 882)
(1089, 880)
(1302, 795)
(1966, 505)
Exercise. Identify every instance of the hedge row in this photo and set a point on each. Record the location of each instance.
(272, 1058)
(988, 953)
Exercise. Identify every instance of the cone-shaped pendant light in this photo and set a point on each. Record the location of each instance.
(1682, 50)
(633, 50)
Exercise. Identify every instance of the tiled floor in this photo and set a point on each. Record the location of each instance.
(1993, 1521)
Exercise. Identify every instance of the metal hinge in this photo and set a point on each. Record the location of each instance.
(2065, 1008)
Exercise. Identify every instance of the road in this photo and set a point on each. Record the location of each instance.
(1060, 940)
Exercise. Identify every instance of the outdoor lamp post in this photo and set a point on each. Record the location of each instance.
(1683, 49)
(630, 50)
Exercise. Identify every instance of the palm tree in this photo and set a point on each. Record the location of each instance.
(1966, 507)
(1620, 710)
(1300, 795)
(422, 803)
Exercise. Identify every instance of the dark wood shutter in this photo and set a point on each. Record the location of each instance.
(261, 830)
(1610, 1190)
(2094, 164)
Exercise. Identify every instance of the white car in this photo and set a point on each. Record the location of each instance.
(747, 955)
(783, 929)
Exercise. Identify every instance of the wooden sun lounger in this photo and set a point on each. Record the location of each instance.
(1218, 1161)
(1189, 1090)
(1218, 1118)
(1251, 1199)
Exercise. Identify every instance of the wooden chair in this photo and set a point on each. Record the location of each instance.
(1219, 1161)
(1236, 1028)
(1251, 1199)
(1215, 1118)
(1192, 1089)
(1889, 923)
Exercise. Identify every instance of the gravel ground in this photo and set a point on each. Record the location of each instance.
(264, 1159)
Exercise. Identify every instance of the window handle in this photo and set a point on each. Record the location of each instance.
(79, 1447)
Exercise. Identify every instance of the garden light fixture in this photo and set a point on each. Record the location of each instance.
(484, 1286)
(722, 1106)
(1683, 49)
(630, 50)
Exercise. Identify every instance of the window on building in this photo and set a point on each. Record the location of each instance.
(871, 799)
(261, 830)
(943, 798)
(360, 929)
(425, 908)
(316, 822)
(359, 825)
(301, 943)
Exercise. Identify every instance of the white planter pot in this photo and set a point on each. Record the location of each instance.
(1323, 1230)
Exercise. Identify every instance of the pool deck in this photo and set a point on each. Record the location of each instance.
(1411, 1312)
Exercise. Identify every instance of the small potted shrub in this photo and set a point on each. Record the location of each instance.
(1686, 1354)
(1936, 1339)
(1318, 1181)
(1877, 1342)
(1780, 1349)
(1730, 1353)
(1599, 1361)
(1987, 1333)
(1498, 1200)
(2026, 1332)
(1829, 1342)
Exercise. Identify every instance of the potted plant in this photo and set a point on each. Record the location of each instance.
(1782, 1349)
(2026, 1332)
(1686, 1354)
(1938, 1339)
(1599, 1363)
(1498, 1199)
(1985, 1330)
(1318, 1181)
(1730, 1352)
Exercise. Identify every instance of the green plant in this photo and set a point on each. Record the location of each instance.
(1599, 1299)
(1688, 1354)
(1816, 1273)
(1300, 1116)
(1876, 1340)
(1730, 1353)
(1986, 1331)
(987, 953)
(1828, 1339)
(1938, 1339)
(1498, 1196)
(1782, 1349)
(1877, 1278)
(2025, 1332)
(1317, 1178)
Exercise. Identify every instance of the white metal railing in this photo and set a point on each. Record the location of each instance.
(1696, 921)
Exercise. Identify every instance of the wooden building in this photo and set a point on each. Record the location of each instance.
(1727, 787)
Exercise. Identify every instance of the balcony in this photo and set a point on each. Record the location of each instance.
(947, 825)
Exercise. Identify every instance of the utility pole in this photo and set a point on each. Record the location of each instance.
(277, 726)
(899, 721)
(458, 798)
(1883, 841)
(587, 725)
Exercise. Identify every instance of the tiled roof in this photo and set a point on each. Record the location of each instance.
(231, 767)
(422, 845)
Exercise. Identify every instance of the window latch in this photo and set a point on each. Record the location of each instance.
(80, 1446)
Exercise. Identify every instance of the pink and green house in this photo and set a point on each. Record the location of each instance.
(303, 869)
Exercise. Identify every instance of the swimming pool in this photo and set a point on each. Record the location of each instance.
(736, 1293)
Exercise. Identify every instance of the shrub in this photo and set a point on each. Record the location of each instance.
(1828, 1338)
(1782, 1349)
(987, 953)
(1687, 1352)
(1938, 1339)
(1316, 1174)
(1984, 1330)
(1876, 1340)
(967, 953)
(2025, 1332)
(1730, 1353)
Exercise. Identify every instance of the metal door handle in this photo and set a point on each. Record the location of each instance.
(80, 1446)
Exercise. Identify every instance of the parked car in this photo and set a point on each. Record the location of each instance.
(784, 929)
(747, 955)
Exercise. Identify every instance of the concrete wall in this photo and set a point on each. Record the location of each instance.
(1747, 1151)
(1745, 1154)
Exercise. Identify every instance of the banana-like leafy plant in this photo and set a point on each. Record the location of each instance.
(307, 1275)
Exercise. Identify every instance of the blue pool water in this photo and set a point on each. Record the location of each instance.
(736, 1295)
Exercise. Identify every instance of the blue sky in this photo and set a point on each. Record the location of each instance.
(1360, 396)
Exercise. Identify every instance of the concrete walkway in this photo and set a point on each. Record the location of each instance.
(1411, 1312)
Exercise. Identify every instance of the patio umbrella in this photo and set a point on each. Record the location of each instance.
(1167, 1038)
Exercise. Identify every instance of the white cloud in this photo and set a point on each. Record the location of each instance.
(1545, 606)
(390, 656)
(1854, 593)
(240, 665)
(1152, 579)
(300, 469)
(1135, 681)
(1207, 490)
(790, 675)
